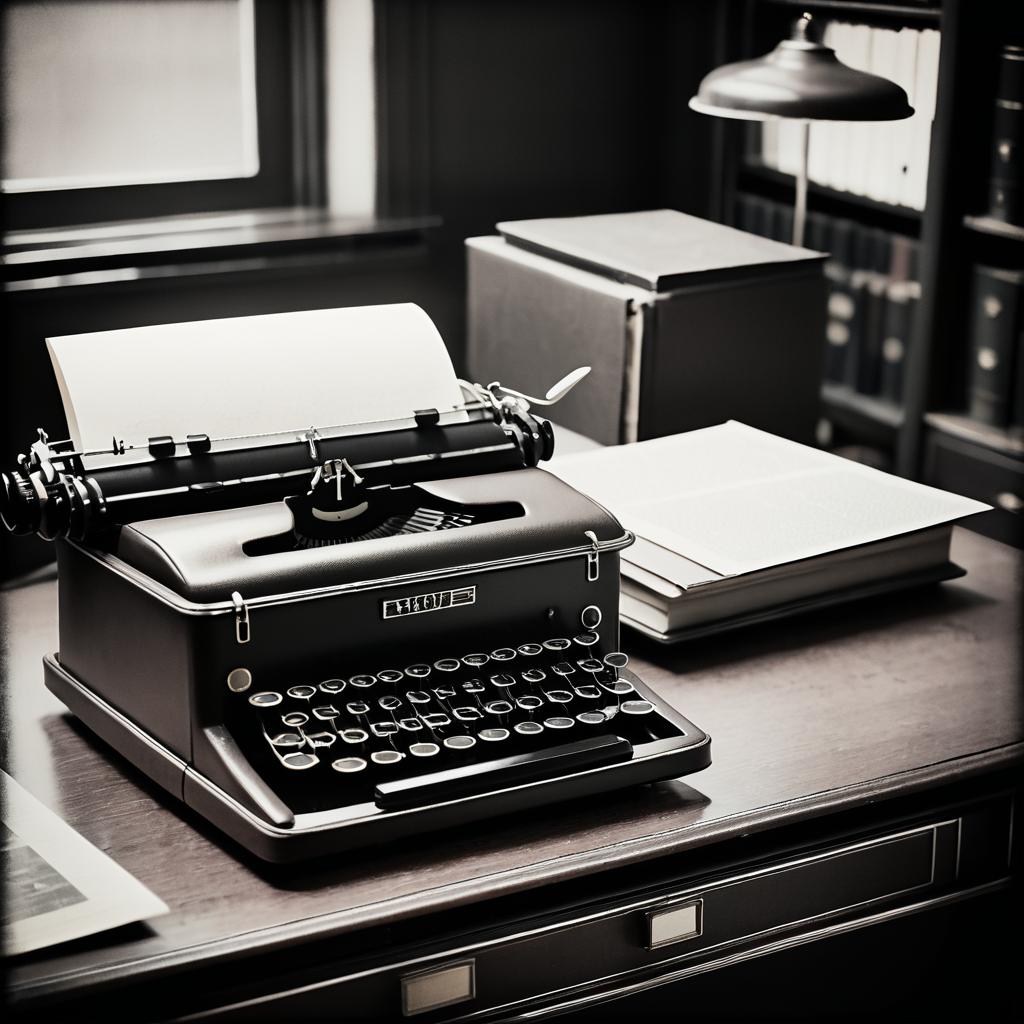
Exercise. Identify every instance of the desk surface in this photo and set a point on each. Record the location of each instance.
(826, 712)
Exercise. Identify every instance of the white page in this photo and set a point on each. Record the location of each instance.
(254, 374)
(736, 499)
(59, 886)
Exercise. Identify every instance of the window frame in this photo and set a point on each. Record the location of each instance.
(289, 119)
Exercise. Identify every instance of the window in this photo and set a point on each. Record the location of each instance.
(123, 109)
(112, 93)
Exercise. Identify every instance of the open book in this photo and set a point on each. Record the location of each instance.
(735, 525)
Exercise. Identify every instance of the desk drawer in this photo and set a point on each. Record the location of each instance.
(662, 931)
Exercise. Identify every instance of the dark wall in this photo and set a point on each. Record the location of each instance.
(498, 110)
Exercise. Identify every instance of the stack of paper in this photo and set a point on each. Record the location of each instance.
(733, 523)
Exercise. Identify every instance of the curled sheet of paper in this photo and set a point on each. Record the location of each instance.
(252, 375)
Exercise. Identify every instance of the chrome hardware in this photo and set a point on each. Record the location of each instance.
(590, 617)
(311, 437)
(554, 394)
(239, 680)
(242, 631)
(593, 556)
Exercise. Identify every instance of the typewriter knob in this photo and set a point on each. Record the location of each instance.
(19, 503)
(591, 616)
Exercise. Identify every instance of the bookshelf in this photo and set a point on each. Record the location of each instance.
(928, 433)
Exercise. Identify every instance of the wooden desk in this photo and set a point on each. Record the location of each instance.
(839, 724)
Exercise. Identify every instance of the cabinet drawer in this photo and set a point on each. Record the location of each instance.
(658, 932)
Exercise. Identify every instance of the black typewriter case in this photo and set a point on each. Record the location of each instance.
(147, 670)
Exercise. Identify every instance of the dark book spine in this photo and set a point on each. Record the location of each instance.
(869, 286)
(902, 296)
(1006, 185)
(834, 237)
(996, 304)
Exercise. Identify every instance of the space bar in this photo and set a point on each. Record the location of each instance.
(484, 776)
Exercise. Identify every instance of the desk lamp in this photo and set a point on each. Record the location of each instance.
(804, 81)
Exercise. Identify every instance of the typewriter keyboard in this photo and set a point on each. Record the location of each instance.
(404, 737)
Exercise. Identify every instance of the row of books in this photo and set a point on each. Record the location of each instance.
(874, 292)
(886, 161)
(996, 376)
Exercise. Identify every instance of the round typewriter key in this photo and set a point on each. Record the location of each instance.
(418, 697)
(239, 680)
(586, 639)
(530, 650)
(298, 759)
(498, 707)
(424, 749)
(591, 665)
(390, 675)
(503, 681)
(384, 729)
(363, 682)
(473, 686)
(447, 665)
(332, 686)
(266, 699)
(357, 707)
(558, 722)
(326, 713)
(460, 742)
(503, 654)
(587, 692)
(418, 671)
(287, 739)
(563, 668)
(475, 660)
(348, 765)
(301, 692)
(444, 693)
(467, 714)
(636, 707)
(557, 644)
(534, 675)
(386, 756)
(295, 719)
(619, 688)
(559, 696)
(494, 735)
(410, 724)
(354, 735)
(616, 659)
(390, 703)
(320, 739)
(529, 728)
(592, 717)
(591, 616)
(529, 702)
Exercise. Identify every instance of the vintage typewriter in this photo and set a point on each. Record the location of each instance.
(327, 637)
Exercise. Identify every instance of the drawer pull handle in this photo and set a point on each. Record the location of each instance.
(676, 922)
(437, 987)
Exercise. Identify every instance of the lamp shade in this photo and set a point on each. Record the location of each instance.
(800, 79)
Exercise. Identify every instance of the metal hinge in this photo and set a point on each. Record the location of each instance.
(593, 564)
(242, 634)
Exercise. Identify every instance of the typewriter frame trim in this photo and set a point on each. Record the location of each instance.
(172, 599)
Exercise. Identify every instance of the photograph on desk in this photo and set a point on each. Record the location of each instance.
(511, 511)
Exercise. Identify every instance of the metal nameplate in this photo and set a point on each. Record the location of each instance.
(435, 602)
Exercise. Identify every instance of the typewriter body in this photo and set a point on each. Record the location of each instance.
(321, 639)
